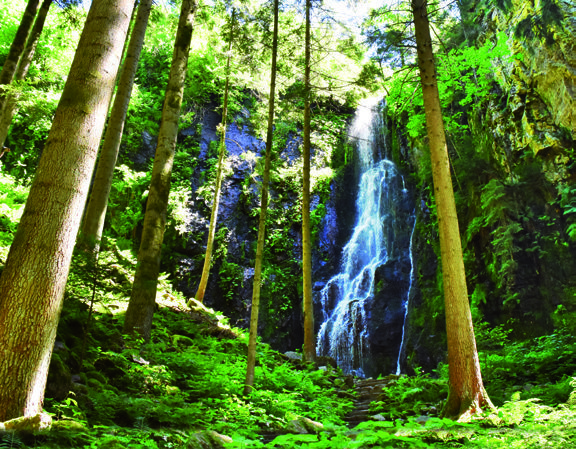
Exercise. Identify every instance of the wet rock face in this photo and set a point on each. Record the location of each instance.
(236, 226)
(393, 284)
(387, 317)
(231, 277)
(146, 153)
(336, 226)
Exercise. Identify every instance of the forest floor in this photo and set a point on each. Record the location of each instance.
(183, 389)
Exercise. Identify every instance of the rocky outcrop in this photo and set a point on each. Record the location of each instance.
(545, 71)
(540, 83)
(230, 282)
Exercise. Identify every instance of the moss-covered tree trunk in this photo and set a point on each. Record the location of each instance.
(466, 390)
(11, 100)
(309, 351)
(222, 152)
(143, 298)
(95, 214)
(32, 283)
(248, 384)
(15, 53)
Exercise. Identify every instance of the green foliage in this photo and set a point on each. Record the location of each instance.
(126, 203)
(279, 287)
(465, 77)
(10, 440)
(538, 368)
(40, 92)
(231, 279)
(191, 375)
(411, 395)
(13, 196)
(568, 203)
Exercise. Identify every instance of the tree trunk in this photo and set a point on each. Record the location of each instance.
(33, 281)
(17, 47)
(11, 101)
(143, 298)
(249, 383)
(95, 215)
(466, 391)
(309, 351)
(217, 188)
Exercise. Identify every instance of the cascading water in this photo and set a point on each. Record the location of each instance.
(374, 257)
(405, 302)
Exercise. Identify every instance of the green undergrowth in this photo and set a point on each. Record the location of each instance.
(517, 424)
(539, 368)
(188, 378)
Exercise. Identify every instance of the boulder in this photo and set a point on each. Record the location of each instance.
(303, 425)
(293, 355)
(207, 439)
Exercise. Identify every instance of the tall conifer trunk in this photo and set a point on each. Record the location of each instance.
(248, 384)
(143, 298)
(309, 351)
(466, 390)
(222, 152)
(95, 215)
(15, 53)
(32, 283)
(11, 101)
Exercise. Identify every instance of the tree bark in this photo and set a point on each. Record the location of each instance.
(143, 298)
(95, 215)
(309, 352)
(222, 152)
(17, 47)
(32, 283)
(249, 383)
(11, 100)
(466, 391)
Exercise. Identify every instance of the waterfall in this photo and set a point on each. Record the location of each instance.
(407, 299)
(347, 298)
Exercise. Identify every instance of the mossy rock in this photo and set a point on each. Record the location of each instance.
(181, 341)
(96, 375)
(95, 384)
(68, 425)
(35, 423)
(114, 369)
(79, 389)
(59, 379)
(207, 439)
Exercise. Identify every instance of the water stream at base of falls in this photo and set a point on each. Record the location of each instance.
(347, 297)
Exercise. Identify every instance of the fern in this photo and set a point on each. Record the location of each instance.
(10, 440)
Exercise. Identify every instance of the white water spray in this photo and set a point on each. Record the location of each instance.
(344, 332)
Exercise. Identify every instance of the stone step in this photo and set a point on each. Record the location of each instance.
(367, 391)
(362, 411)
(267, 437)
